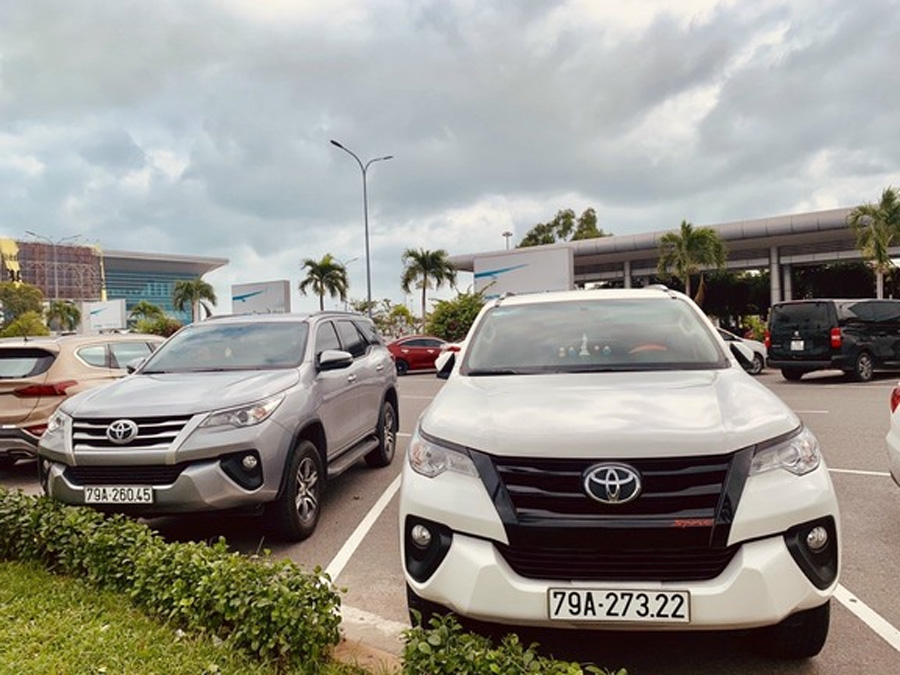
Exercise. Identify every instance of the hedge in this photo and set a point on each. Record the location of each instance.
(267, 608)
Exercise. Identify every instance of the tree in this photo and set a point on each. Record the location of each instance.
(27, 323)
(451, 319)
(685, 252)
(877, 228)
(63, 315)
(17, 299)
(162, 325)
(325, 276)
(144, 309)
(564, 227)
(426, 269)
(194, 294)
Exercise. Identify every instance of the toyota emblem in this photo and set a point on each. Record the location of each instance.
(612, 483)
(121, 432)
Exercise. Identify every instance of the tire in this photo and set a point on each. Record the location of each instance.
(800, 636)
(402, 367)
(758, 364)
(863, 368)
(387, 437)
(295, 514)
(791, 374)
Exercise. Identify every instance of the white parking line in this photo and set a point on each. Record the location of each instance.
(337, 564)
(869, 617)
(857, 472)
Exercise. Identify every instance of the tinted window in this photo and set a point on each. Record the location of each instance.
(244, 346)
(592, 336)
(24, 362)
(801, 315)
(93, 355)
(351, 338)
(121, 353)
(369, 332)
(326, 338)
(887, 312)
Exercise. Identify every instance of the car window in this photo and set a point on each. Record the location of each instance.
(231, 346)
(369, 331)
(809, 315)
(578, 335)
(432, 343)
(351, 339)
(16, 363)
(326, 338)
(413, 342)
(886, 311)
(121, 353)
(93, 355)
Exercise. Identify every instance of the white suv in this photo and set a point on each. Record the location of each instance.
(599, 459)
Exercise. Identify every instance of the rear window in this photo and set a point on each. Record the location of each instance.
(801, 315)
(586, 336)
(18, 363)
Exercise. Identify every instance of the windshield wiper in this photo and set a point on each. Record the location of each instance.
(492, 371)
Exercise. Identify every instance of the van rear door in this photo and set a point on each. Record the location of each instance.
(801, 331)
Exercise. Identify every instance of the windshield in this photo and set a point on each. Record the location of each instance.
(244, 346)
(592, 336)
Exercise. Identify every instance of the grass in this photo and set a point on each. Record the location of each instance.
(52, 624)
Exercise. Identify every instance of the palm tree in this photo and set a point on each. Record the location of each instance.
(684, 253)
(192, 294)
(144, 309)
(325, 276)
(64, 315)
(426, 269)
(877, 228)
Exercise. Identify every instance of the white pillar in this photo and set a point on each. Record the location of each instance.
(787, 281)
(626, 269)
(774, 276)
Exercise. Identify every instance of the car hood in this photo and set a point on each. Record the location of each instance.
(178, 393)
(607, 414)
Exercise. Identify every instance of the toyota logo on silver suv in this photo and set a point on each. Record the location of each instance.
(612, 483)
(121, 432)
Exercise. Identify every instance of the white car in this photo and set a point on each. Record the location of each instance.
(758, 363)
(599, 460)
(893, 436)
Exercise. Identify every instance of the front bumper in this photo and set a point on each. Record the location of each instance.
(762, 584)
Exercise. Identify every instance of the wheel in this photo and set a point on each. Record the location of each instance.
(863, 368)
(402, 367)
(295, 513)
(800, 636)
(791, 374)
(758, 364)
(387, 437)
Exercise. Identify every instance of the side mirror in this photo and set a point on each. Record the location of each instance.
(134, 364)
(444, 371)
(742, 353)
(333, 359)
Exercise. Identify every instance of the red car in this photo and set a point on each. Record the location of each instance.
(415, 352)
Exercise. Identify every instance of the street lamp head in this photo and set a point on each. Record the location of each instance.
(337, 145)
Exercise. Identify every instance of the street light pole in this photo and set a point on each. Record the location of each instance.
(364, 168)
(53, 245)
(507, 235)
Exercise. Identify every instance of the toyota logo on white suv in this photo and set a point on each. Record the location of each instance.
(612, 483)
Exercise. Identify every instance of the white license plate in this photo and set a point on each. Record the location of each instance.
(796, 345)
(118, 494)
(607, 604)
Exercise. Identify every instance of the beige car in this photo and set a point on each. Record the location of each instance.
(39, 373)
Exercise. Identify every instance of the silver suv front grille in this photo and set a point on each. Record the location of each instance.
(154, 433)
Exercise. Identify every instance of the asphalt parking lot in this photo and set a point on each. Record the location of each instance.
(357, 543)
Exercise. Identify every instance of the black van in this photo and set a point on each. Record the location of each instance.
(856, 336)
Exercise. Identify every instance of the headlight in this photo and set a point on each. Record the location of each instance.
(57, 421)
(430, 459)
(798, 454)
(246, 415)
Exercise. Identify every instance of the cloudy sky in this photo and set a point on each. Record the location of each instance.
(202, 127)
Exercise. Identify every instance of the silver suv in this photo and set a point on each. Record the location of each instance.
(231, 412)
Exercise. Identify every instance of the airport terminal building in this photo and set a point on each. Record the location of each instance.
(87, 273)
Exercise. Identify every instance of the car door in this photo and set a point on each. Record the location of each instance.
(339, 394)
(366, 374)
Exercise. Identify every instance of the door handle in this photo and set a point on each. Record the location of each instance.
(379, 367)
(351, 378)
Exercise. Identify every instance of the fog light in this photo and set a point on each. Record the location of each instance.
(249, 462)
(817, 538)
(421, 536)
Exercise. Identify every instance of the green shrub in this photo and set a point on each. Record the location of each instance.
(445, 648)
(268, 608)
